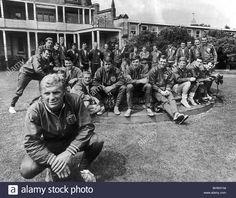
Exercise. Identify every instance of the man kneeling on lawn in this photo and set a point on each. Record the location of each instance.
(57, 127)
(162, 81)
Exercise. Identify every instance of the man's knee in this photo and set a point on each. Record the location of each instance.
(95, 139)
(130, 87)
(29, 169)
(123, 87)
(147, 87)
(187, 84)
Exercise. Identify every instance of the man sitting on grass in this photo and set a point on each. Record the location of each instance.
(162, 81)
(137, 81)
(83, 88)
(109, 82)
(57, 127)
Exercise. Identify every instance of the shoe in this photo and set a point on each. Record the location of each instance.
(184, 119)
(191, 100)
(48, 176)
(178, 117)
(209, 97)
(116, 110)
(185, 103)
(12, 110)
(128, 113)
(150, 112)
(102, 110)
(87, 176)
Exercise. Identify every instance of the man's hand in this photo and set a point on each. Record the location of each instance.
(142, 81)
(192, 79)
(165, 93)
(108, 89)
(61, 161)
(72, 81)
(64, 173)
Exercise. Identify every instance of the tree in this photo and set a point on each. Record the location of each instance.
(172, 35)
(169, 35)
(227, 27)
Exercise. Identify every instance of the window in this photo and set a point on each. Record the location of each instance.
(21, 45)
(154, 29)
(189, 32)
(197, 33)
(46, 15)
(86, 16)
(133, 30)
(144, 27)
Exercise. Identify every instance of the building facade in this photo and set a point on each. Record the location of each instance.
(24, 25)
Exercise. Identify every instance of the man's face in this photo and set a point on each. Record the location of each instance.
(198, 62)
(68, 64)
(162, 63)
(197, 42)
(136, 63)
(52, 96)
(105, 46)
(87, 79)
(56, 47)
(135, 49)
(84, 46)
(144, 49)
(189, 45)
(74, 47)
(204, 41)
(107, 66)
(46, 54)
(61, 40)
(116, 46)
(49, 43)
(182, 45)
(154, 48)
(95, 45)
(182, 64)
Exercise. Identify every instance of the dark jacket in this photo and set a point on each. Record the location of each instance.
(113, 77)
(43, 126)
(37, 65)
(161, 79)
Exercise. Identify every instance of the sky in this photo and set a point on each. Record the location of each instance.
(216, 13)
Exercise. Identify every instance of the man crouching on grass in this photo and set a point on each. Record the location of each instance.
(57, 127)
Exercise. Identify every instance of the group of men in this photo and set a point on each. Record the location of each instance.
(74, 84)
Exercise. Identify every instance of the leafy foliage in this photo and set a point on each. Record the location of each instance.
(166, 36)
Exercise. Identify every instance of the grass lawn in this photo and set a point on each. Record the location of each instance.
(202, 150)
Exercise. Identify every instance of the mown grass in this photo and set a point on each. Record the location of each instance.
(202, 150)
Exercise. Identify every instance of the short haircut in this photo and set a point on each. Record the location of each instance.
(163, 57)
(48, 39)
(68, 58)
(52, 80)
(87, 72)
(136, 57)
(74, 44)
(45, 49)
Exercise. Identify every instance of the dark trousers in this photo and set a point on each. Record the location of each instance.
(118, 92)
(168, 103)
(146, 88)
(29, 168)
(22, 82)
(94, 68)
(85, 67)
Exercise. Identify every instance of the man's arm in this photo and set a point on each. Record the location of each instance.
(34, 145)
(85, 129)
(38, 67)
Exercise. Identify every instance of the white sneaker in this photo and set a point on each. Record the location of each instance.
(88, 176)
(12, 110)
